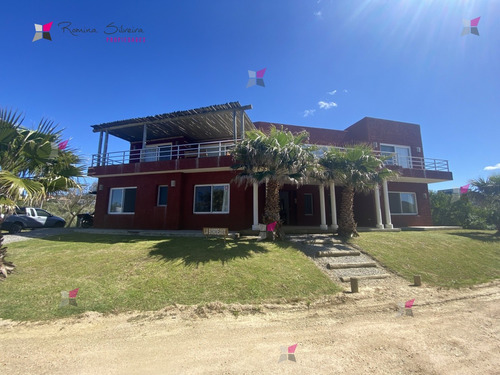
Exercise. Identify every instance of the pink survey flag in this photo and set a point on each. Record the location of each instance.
(291, 349)
(73, 293)
(63, 144)
(270, 227)
(464, 189)
(409, 303)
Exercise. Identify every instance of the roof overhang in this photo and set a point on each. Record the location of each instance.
(201, 124)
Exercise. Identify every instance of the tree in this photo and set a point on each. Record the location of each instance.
(275, 159)
(486, 193)
(357, 169)
(31, 163)
(448, 210)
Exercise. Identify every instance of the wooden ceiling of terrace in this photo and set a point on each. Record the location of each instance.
(201, 124)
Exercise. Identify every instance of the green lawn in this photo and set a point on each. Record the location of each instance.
(455, 258)
(117, 274)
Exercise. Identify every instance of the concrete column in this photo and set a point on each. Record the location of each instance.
(242, 121)
(378, 212)
(387, 209)
(99, 149)
(255, 225)
(235, 128)
(333, 206)
(322, 207)
(105, 151)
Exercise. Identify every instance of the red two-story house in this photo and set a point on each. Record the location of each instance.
(177, 174)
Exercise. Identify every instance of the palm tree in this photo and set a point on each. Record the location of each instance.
(276, 158)
(487, 194)
(357, 169)
(31, 164)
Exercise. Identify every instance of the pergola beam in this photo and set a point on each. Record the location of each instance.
(98, 128)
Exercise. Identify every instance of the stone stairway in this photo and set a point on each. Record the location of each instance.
(338, 260)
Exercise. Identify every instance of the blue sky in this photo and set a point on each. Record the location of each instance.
(398, 60)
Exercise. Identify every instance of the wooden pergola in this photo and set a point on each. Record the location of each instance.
(217, 122)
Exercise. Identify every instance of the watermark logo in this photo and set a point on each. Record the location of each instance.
(42, 31)
(288, 353)
(114, 33)
(57, 147)
(256, 78)
(69, 298)
(406, 308)
(470, 27)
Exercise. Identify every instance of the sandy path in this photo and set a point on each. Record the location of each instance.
(452, 332)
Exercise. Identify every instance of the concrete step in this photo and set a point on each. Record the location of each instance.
(338, 253)
(328, 241)
(333, 266)
(346, 279)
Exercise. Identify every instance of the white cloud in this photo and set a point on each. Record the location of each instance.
(492, 167)
(326, 105)
(309, 112)
(318, 13)
(332, 92)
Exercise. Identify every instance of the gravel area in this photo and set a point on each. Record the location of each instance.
(33, 233)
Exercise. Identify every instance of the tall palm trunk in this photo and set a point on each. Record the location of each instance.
(347, 225)
(272, 206)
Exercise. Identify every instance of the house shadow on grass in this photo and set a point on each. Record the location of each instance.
(204, 250)
(479, 236)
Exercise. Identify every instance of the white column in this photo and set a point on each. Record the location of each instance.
(378, 212)
(333, 206)
(322, 207)
(387, 209)
(255, 225)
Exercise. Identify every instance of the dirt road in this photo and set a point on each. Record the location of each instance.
(451, 332)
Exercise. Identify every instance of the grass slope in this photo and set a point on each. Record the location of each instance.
(455, 258)
(117, 274)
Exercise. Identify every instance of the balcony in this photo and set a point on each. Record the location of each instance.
(217, 155)
(163, 153)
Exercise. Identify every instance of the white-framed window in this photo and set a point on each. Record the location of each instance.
(399, 155)
(162, 195)
(308, 204)
(402, 203)
(211, 199)
(122, 200)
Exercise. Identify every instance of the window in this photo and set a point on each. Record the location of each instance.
(308, 204)
(162, 195)
(41, 212)
(403, 203)
(211, 199)
(400, 155)
(157, 152)
(122, 200)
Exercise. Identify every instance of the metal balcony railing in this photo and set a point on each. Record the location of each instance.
(222, 148)
(164, 152)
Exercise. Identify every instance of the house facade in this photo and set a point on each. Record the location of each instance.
(177, 174)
